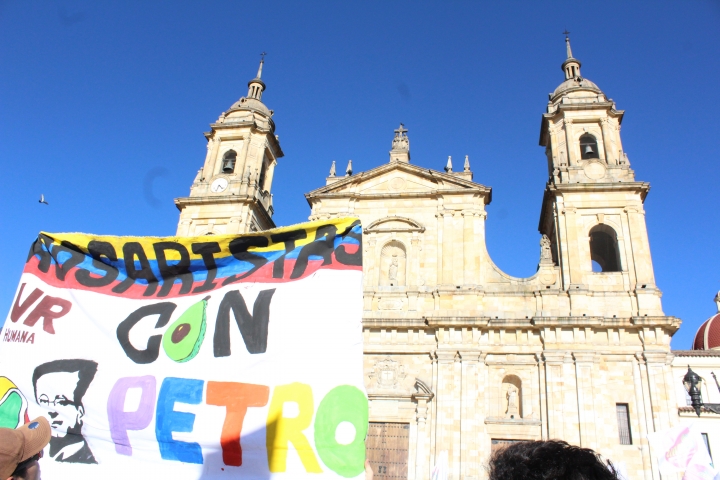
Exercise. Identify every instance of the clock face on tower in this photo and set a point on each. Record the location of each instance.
(218, 185)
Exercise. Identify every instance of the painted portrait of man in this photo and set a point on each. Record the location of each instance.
(59, 387)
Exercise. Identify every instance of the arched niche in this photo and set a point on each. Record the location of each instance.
(511, 397)
(393, 264)
(604, 251)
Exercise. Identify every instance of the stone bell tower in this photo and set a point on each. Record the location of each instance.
(232, 191)
(593, 208)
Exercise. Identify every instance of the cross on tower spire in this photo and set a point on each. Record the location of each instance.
(262, 61)
(571, 65)
(567, 43)
(256, 86)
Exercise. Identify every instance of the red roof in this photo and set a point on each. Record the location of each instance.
(708, 335)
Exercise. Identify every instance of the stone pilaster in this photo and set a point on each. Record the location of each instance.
(447, 427)
(447, 248)
(644, 420)
(469, 452)
(584, 366)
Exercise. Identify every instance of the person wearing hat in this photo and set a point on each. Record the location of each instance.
(21, 448)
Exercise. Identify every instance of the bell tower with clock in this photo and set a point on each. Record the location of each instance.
(231, 192)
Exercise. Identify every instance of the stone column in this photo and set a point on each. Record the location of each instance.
(646, 295)
(440, 257)
(562, 241)
(269, 175)
(542, 375)
(610, 156)
(422, 452)
(644, 423)
(447, 430)
(571, 230)
(413, 262)
(371, 276)
(659, 396)
(469, 249)
(586, 398)
(211, 163)
(480, 246)
(242, 159)
(569, 143)
(619, 139)
(184, 228)
(457, 246)
(640, 246)
(447, 248)
(555, 394)
(469, 448)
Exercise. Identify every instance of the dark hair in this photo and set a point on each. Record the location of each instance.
(551, 459)
(85, 369)
(22, 467)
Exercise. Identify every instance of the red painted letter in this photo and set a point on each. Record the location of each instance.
(18, 308)
(236, 398)
(44, 310)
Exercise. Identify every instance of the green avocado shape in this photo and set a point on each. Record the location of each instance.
(10, 410)
(183, 338)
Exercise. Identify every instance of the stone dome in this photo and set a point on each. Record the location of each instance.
(708, 335)
(249, 103)
(575, 84)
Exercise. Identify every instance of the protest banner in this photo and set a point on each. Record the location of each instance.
(206, 357)
(681, 449)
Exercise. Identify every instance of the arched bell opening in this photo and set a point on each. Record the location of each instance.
(228, 163)
(604, 252)
(588, 147)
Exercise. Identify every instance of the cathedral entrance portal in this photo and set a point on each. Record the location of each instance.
(387, 449)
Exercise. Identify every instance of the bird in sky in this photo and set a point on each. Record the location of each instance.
(42, 199)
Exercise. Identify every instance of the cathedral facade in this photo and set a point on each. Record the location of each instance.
(461, 358)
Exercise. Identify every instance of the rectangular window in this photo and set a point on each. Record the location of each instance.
(500, 443)
(707, 444)
(623, 419)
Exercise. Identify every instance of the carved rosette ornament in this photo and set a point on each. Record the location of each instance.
(387, 373)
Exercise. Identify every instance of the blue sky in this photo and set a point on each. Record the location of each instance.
(103, 105)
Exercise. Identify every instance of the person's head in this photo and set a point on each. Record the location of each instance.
(540, 460)
(60, 386)
(21, 448)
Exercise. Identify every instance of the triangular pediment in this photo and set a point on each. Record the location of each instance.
(397, 178)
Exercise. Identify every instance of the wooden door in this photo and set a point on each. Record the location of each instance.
(387, 449)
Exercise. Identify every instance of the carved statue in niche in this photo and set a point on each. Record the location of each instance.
(511, 392)
(545, 252)
(512, 401)
(393, 270)
(393, 263)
